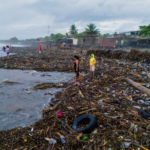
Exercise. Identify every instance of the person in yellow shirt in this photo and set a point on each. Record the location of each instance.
(92, 64)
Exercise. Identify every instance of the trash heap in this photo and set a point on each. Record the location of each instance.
(49, 60)
(134, 54)
(110, 110)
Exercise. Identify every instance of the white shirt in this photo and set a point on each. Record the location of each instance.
(7, 50)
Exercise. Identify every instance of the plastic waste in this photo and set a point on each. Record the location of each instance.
(138, 92)
(32, 129)
(84, 138)
(143, 73)
(145, 114)
(70, 108)
(140, 102)
(147, 102)
(62, 139)
(148, 85)
(108, 89)
(133, 127)
(137, 107)
(58, 114)
(51, 141)
(126, 144)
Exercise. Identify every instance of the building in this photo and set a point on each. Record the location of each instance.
(74, 40)
(86, 41)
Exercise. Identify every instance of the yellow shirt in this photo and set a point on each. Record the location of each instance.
(92, 63)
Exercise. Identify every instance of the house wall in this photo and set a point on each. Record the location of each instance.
(75, 40)
(111, 42)
(88, 41)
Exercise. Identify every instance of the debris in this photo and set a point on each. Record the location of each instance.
(51, 141)
(97, 112)
(139, 87)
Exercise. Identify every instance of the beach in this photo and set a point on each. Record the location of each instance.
(107, 96)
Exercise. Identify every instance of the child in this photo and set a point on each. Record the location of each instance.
(7, 51)
(92, 64)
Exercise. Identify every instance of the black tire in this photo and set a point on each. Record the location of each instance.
(88, 129)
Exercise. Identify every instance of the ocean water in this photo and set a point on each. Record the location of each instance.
(3, 54)
(20, 106)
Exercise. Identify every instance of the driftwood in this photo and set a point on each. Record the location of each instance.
(64, 123)
(46, 110)
(53, 108)
(138, 86)
(85, 111)
(136, 74)
(148, 75)
(119, 77)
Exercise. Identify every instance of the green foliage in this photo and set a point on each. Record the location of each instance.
(58, 36)
(52, 36)
(105, 35)
(14, 39)
(30, 40)
(47, 38)
(91, 29)
(73, 30)
(39, 39)
(144, 31)
(80, 35)
(67, 35)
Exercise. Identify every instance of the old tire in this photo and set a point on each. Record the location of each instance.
(90, 127)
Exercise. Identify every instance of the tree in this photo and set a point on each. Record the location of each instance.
(115, 33)
(105, 35)
(144, 31)
(14, 39)
(80, 35)
(91, 30)
(73, 30)
(52, 36)
(46, 38)
(58, 36)
(30, 40)
(67, 35)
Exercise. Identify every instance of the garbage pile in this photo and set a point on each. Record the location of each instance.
(110, 110)
(134, 54)
(49, 60)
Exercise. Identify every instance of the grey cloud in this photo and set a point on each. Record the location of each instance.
(30, 18)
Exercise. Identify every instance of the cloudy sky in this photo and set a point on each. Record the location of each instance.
(30, 18)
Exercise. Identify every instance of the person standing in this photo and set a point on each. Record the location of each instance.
(70, 46)
(7, 51)
(4, 48)
(40, 48)
(76, 67)
(92, 64)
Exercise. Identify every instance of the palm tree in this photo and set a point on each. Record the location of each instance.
(67, 35)
(91, 29)
(73, 30)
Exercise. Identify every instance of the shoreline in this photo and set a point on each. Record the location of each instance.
(95, 92)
